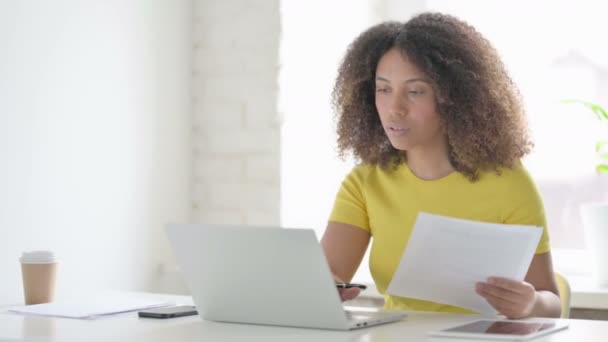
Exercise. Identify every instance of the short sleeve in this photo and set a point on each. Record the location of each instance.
(349, 205)
(528, 208)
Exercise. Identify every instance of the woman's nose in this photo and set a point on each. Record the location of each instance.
(397, 107)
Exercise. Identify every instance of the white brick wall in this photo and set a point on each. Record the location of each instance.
(236, 129)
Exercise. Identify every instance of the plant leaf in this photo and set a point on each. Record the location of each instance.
(569, 101)
(597, 109)
(600, 112)
(599, 145)
(602, 168)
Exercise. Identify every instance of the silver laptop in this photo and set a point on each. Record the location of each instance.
(263, 275)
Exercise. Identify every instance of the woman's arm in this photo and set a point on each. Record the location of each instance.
(344, 246)
(541, 276)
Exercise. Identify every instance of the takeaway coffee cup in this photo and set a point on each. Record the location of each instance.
(39, 270)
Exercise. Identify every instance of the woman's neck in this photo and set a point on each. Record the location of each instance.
(429, 164)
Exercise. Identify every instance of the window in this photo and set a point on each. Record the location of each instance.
(552, 52)
(310, 52)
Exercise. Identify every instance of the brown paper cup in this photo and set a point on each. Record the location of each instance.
(38, 280)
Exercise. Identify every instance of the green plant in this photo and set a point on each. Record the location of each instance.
(600, 146)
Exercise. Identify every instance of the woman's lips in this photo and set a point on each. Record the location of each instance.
(397, 131)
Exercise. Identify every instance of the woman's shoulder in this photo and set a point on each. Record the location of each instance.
(360, 172)
(515, 178)
(365, 170)
(366, 175)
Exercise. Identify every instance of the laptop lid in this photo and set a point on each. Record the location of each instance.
(259, 275)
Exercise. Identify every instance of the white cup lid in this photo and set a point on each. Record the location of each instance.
(37, 257)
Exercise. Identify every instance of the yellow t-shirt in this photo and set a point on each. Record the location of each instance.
(386, 204)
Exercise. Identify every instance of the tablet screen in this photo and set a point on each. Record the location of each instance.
(502, 327)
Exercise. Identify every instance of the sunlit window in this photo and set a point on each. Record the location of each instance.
(552, 51)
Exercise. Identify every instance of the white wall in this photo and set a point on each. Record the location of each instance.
(236, 125)
(94, 137)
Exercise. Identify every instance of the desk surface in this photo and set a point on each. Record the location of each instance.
(129, 327)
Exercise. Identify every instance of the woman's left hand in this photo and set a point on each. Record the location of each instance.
(514, 299)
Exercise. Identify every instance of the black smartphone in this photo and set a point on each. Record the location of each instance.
(169, 312)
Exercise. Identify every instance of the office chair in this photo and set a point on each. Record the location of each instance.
(564, 294)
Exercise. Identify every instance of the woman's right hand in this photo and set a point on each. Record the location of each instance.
(347, 294)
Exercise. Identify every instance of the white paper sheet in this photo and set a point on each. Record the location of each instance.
(91, 306)
(446, 256)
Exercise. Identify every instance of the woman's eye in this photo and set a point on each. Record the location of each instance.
(382, 90)
(415, 92)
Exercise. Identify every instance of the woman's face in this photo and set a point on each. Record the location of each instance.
(406, 103)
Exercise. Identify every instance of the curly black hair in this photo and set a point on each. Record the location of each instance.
(476, 99)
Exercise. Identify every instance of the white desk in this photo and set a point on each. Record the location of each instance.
(129, 327)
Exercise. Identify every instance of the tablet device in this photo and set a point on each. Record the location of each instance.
(502, 329)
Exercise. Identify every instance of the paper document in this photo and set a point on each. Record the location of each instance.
(92, 306)
(446, 256)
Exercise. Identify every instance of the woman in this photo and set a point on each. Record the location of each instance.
(438, 126)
